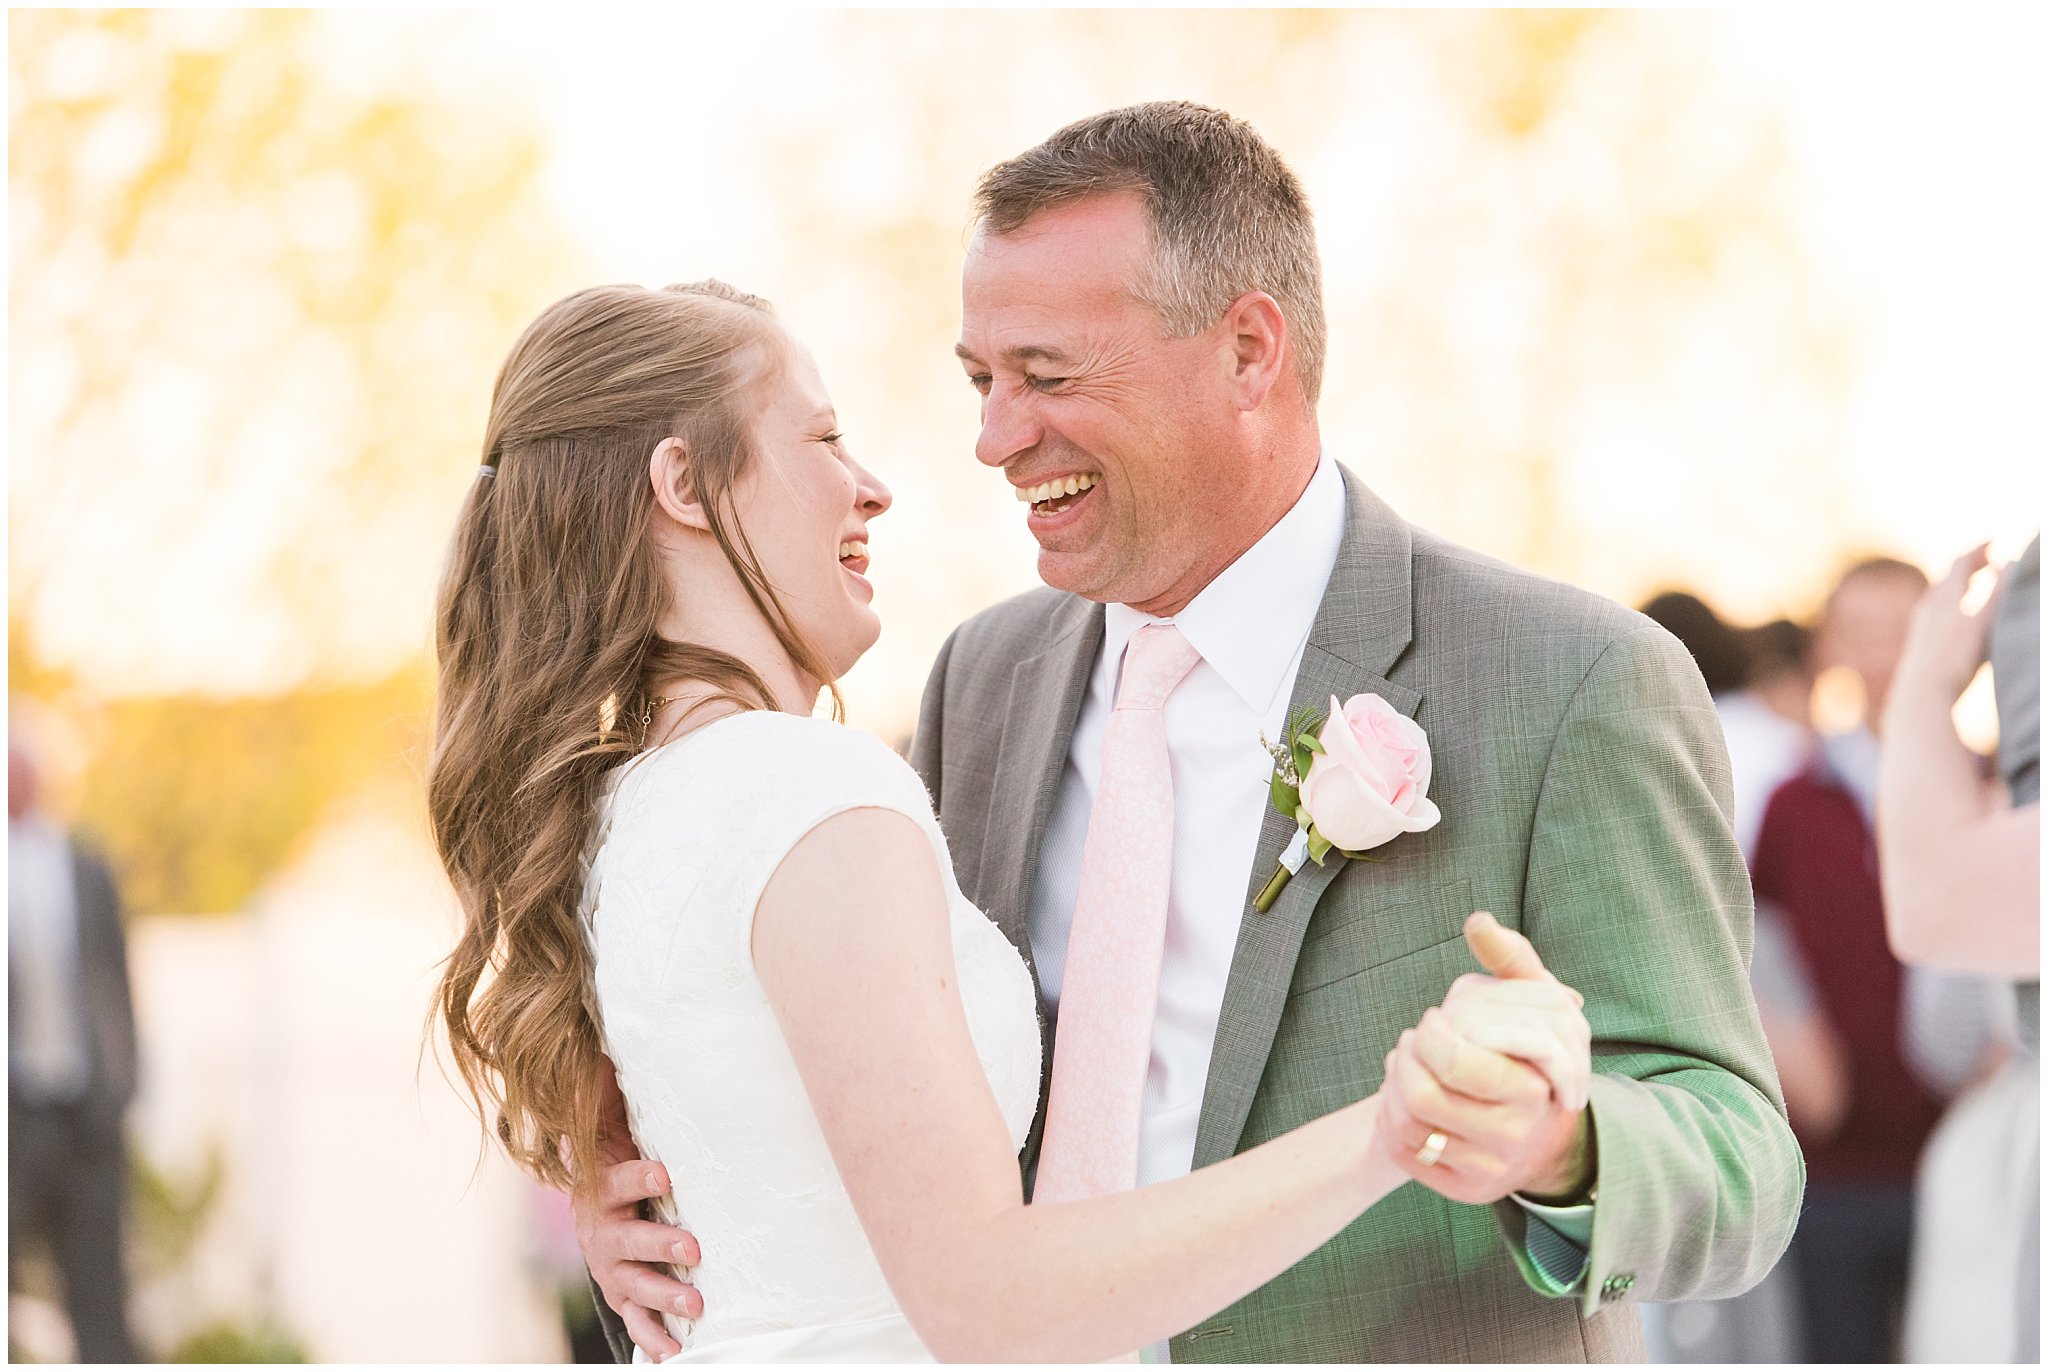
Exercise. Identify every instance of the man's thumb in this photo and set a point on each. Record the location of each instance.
(1501, 951)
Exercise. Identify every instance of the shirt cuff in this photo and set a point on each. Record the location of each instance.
(1558, 1242)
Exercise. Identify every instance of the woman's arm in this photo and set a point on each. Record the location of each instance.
(851, 942)
(1813, 1069)
(1961, 871)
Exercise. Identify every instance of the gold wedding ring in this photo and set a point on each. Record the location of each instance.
(1432, 1149)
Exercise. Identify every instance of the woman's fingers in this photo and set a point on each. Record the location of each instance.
(1471, 1070)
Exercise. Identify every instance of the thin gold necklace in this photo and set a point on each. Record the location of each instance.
(654, 703)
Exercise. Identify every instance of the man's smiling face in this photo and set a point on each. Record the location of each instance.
(1082, 386)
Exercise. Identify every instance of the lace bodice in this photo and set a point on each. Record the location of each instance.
(689, 836)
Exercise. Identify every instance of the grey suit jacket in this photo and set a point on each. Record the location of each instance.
(108, 1010)
(1586, 798)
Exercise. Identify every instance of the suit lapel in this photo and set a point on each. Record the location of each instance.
(1364, 624)
(1046, 692)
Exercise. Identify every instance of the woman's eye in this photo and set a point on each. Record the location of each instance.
(833, 439)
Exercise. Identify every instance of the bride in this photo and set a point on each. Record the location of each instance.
(664, 859)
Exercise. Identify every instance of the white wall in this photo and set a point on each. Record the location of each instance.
(358, 1209)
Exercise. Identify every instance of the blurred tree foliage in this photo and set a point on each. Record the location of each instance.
(263, 264)
(258, 291)
(171, 1212)
(225, 1341)
(199, 800)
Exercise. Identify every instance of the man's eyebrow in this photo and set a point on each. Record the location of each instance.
(1030, 352)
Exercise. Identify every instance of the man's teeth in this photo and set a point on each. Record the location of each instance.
(1057, 487)
(852, 548)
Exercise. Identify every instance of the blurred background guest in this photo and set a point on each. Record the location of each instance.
(1717, 647)
(1816, 862)
(1963, 1302)
(70, 1061)
(1769, 722)
(1962, 882)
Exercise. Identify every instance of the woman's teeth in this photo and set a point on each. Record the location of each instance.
(852, 548)
(1054, 494)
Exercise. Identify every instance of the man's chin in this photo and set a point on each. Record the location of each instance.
(1075, 575)
(1085, 577)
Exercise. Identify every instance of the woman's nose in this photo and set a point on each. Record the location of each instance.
(874, 497)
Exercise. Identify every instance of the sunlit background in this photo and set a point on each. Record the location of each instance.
(1636, 300)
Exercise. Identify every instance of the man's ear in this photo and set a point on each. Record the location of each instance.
(668, 470)
(1257, 333)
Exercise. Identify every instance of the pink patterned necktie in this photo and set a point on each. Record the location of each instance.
(1110, 990)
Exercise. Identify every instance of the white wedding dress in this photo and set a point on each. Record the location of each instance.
(688, 837)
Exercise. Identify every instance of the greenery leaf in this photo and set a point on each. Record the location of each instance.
(1319, 847)
(1285, 798)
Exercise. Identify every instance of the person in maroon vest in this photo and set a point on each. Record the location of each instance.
(1816, 865)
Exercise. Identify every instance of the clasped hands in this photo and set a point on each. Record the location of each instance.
(1486, 1097)
(1500, 1070)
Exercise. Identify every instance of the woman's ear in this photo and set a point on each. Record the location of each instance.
(668, 469)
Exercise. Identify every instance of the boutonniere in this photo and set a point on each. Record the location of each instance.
(1350, 780)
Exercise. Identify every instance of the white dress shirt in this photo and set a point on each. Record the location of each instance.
(1250, 625)
(48, 1059)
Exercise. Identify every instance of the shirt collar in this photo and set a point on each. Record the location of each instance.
(1251, 621)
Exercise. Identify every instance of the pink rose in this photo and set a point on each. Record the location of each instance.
(1369, 782)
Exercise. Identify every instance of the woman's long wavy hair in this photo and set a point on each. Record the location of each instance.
(549, 642)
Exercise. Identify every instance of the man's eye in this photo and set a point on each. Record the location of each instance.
(1045, 383)
(980, 382)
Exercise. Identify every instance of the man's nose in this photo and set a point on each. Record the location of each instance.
(1007, 428)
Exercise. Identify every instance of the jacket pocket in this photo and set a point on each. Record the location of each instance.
(1353, 933)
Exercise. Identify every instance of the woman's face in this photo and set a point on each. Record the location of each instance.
(805, 505)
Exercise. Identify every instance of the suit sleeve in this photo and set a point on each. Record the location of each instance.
(1636, 895)
(615, 1336)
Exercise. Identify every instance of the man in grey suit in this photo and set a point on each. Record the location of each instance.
(70, 1063)
(1143, 320)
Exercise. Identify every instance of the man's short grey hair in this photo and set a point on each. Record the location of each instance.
(1227, 215)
